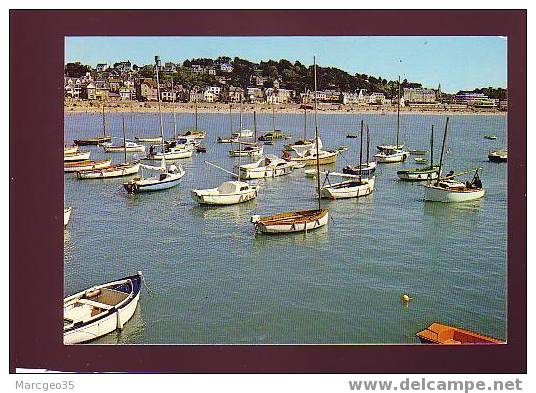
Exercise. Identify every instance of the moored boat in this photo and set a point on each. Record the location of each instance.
(68, 149)
(76, 156)
(391, 156)
(417, 152)
(490, 137)
(228, 193)
(364, 169)
(267, 166)
(195, 134)
(430, 172)
(100, 310)
(139, 139)
(86, 165)
(309, 157)
(173, 153)
(247, 150)
(438, 333)
(130, 147)
(272, 136)
(498, 156)
(116, 170)
(98, 140)
(66, 215)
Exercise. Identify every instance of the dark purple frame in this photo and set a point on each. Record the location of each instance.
(36, 248)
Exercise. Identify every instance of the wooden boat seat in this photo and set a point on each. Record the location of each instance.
(95, 304)
(109, 297)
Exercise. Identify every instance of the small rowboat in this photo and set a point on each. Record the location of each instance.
(70, 149)
(498, 156)
(352, 135)
(300, 221)
(417, 152)
(227, 140)
(156, 139)
(272, 136)
(86, 165)
(99, 140)
(100, 310)
(117, 170)
(438, 333)
(76, 156)
(228, 193)
(129, 147)
(490, 137)
(66, 215)
(420, 160)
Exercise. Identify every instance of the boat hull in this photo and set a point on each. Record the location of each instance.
(112, 171)
(137, 187)
(291, 222)
(438, 333)
(222, 199)
(329, 158)
(494, 157)
(264, 172)
(120, 149)
(87, 165)
(148, 140)
(92, 141)
(417, 175)
(439, 194)
(111, 320)
(174, 155)
(339, 191)
(78, 156)
(70, 149)
(246, 153)
(391, 158)
(366, 170)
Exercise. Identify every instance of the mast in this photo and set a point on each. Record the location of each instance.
(195, 105)
(124, 137)
(398, 113)
(174, 114)
(103, 119)
(432, 148)
(442, 151)
(305, 116)
(273, 115)
(255, 124)
(157, 66)
(240, 118)
(368, 145)
(361, 153)
(316, 139)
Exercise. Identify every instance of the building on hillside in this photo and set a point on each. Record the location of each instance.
(235, 94)
(477, 100)
(258, 80)
(254, 95)
(226, 68)
(209, 96)
(210, 70)
(127, 93)
(279, 96)
(419, 95)
(216, 90)
(72, 87)
(377, 99)
(170, 67)
(167, 95)
(146, 90)
(198, 69)
(101, 67)
(124, 66)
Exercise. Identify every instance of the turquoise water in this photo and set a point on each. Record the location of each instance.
(213, 281)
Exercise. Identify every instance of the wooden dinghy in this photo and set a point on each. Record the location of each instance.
(86, 165)
(117, 170)
(98, 140)
(438, 333)
(498, 156)
(490, 137)
(76, 156)
(100, 310)
(66, 215)
(300, 221)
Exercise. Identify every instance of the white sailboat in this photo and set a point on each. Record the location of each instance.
(296, 221)
(166, 177)
(76, 156)
(397, 146)
(429, 172)
(303, 143)
(130, 147)
(86, 165)
(68, 149)
(268, 166)
(100, 310)
(195, 133)
(349, 188)
(245, 149)
(447, 189)
(366, 169)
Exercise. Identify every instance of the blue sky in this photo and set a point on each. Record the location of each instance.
(458, 63)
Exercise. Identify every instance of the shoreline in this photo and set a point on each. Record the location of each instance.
(139, 107)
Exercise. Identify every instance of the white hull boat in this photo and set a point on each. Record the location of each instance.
(366, 169)
(451, 191)
(268, 166)
(291, 222)
(390, 157)
(324, 158)
(116, 170)
(148, 140)
(418, 174)
(389, 147)
(173, 154)
(76, 156)
(348, 189)
(66, 215)
(130, 147)
(248, 151)
(228, 193)
(227, 140)
(100, 310)
(162, 181)
(242, 134)
(86, 165)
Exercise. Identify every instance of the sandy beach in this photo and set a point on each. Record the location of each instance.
(152, 107)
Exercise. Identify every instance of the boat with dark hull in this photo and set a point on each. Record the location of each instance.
(498, 156)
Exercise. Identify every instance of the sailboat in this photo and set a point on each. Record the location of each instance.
(125, 146)
(398, 146)
(245, 149)
(241, 133)
(447, 189)
(66, 215)
(68, 149)
(86, 165)
(146, 139)
(297, 221)
(195, 133)
(166, 177)
(116, 170)
(424, 173)
(352, 188)
(303, 143)
(76, 156)
(365, 169)
(99, 139)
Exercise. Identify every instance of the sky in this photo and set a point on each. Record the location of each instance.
(458, 63)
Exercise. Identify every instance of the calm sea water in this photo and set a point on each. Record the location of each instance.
(213, 281)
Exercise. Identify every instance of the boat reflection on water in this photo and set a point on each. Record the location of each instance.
(132, 332)
(237, 213)
(453, 212)
(312, 238)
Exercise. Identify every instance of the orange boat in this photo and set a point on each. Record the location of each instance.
(438, 333)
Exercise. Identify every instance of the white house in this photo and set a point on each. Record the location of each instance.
(226, 67)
